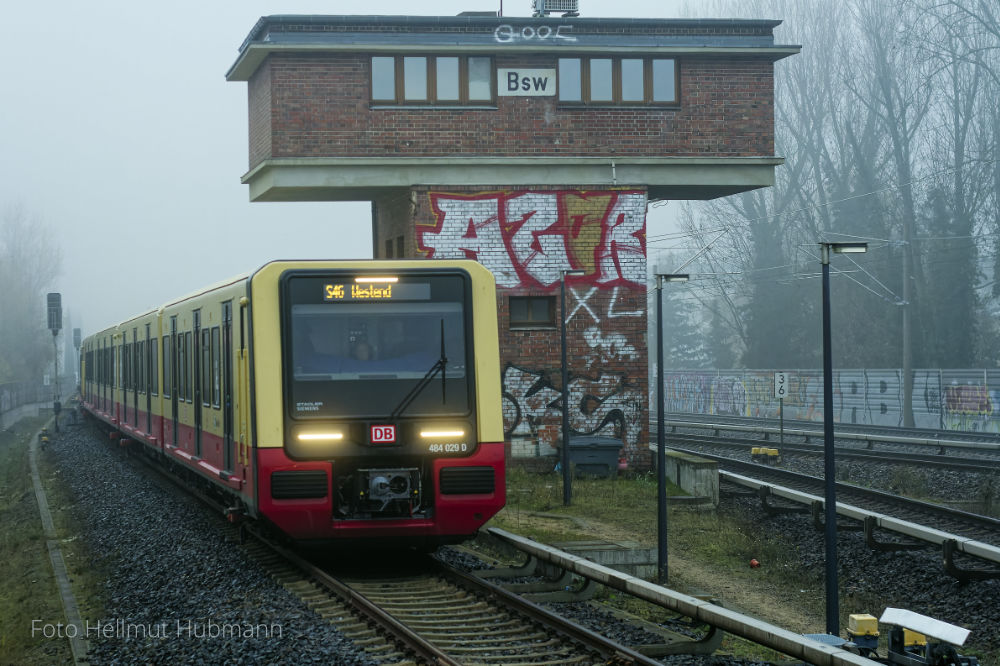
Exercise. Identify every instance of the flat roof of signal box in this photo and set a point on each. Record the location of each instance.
(360, 178)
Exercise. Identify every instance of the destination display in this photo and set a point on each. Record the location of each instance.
(352, 292)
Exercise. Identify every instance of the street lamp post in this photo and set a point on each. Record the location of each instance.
(661, 447)
(567, 477)
(829, 464)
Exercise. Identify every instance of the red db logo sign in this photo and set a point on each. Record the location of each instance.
(384, 434)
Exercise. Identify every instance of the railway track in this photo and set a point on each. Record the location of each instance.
(429, 612)
(873, 431)
(955, 521)
(426, 612)
(984, 465)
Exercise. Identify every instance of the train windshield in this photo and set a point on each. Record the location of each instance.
(360, 356)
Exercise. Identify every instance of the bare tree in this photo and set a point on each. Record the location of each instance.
(29, 262)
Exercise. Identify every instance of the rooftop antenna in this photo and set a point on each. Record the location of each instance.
(545, 7)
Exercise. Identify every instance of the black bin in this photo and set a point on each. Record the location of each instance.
(594, 456)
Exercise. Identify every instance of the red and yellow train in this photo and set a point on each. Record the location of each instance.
(330, 399)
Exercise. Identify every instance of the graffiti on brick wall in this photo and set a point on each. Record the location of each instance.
(528, 238)
(952, 400)
(605, 405)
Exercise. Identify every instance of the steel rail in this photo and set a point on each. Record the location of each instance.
(607, 648)
(957, 515)
(421, 648)
(982, 465)
(867, 428)
(869, 437)
(418, 646)
(757, 631)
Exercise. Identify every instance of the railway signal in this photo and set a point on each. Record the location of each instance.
(54, 300)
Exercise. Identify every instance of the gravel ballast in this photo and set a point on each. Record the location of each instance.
(177, 590)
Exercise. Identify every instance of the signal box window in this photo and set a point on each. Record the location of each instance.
(614, 81)
(532, 311)
(432, 80)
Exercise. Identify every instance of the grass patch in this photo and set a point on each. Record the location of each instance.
(709, 552)
(29, 590)
(628, 507)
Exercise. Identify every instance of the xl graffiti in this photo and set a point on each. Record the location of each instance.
(606, 405)
(528, 238)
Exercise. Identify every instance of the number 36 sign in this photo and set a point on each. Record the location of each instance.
(780, 384)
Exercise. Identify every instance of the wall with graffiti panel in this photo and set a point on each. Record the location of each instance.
(964, 400)
(527, 238)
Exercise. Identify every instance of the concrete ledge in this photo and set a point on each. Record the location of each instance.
(626, 556)
(368, 178)
(696, 476)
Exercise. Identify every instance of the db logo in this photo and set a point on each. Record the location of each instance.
(383, 434)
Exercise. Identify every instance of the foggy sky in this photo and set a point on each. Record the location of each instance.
(119, 131)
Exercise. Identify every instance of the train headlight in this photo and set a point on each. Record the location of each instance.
(444, 439)
(442, 433)
(320, 436)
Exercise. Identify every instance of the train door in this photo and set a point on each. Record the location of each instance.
(196, 381)
(174, 387)
(105, 377)
(132, 377)
(148, 365)
(227, 386)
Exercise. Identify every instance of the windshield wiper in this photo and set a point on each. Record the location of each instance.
(441, 366)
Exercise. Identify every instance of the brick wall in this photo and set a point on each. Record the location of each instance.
(259, 110)
(320, 107)
(526, 237)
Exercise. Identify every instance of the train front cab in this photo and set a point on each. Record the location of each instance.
(377, 399)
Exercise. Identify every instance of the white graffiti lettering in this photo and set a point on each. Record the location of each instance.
(582, 303)
(471, 230)
(613, 346)
(538, 247)
(529, 238)
(623, 240)
(507, 33)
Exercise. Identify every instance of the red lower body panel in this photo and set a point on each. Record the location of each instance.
(312, 519)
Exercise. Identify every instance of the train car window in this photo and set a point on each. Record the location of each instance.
(167, 377)
(141, 367)
(154, 359)
(206, 364)
(216, 372)
(182, 366)
(189, 368)
(357, 350)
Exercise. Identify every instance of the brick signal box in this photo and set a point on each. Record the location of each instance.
(532, 145)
